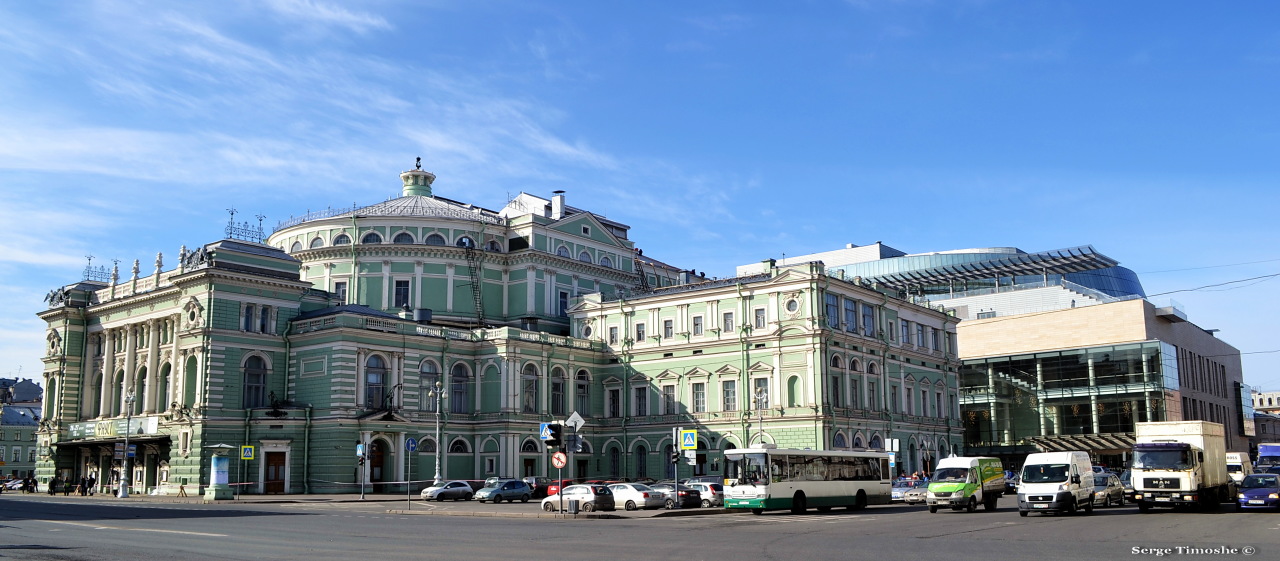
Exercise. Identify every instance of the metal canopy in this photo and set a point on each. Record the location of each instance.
(1058, 261)
(1118, 441)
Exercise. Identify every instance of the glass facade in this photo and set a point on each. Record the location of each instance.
(1006, 401)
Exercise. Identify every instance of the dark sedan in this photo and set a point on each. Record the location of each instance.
(688, 496)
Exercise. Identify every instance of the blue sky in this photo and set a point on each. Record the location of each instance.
(722, 132)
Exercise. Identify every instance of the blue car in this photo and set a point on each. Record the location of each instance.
(1259, 490)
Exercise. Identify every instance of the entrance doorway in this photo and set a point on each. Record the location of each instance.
(273, 481)
(377, 459)
(530, 467)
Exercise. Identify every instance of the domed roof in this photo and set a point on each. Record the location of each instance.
(425, 206)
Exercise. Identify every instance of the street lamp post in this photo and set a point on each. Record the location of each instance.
(438, 395)
(125, 477)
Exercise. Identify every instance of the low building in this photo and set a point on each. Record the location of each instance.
(18, 441)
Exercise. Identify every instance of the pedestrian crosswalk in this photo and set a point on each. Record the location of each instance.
(783, 518)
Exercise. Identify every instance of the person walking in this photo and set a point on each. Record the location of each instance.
(93, 481)
(84, 486)
(53, 485)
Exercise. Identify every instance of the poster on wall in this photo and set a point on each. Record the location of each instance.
(220, 465)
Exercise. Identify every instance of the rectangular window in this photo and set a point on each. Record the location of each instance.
(697, 325)
(986, 315)
(639, 333)
(490, 465)
(641, 400)
(729, 391)
(868, 320)
(911, 402)
(728, 323)
(906, 332)
(613, 335)
(760, 319)
(854, 391)
(937, 343)
(17, 454)
(893, 398)
(340, 290)
(920, 342)
(669, 400)
(562, 304)
(402, 293)
(264, 321)
(833, 311)
(850, 315)
(951, 345)
(760, 392)
(873, 398)
(699, 397)
(613, 406)
(937, 404)
(893, 332)
(557, 396)
(836, 400)
(668, 329)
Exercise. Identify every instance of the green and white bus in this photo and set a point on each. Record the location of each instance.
(771, 478)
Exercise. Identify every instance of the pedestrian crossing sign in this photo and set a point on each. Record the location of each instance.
(688, 440)
(246, 452)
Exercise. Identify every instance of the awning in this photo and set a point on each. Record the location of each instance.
(1105, 442)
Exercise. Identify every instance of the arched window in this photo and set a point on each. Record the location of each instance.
(557, 391)
(403, 238)
(857, 442)
(606, 262)
(793, 391)
(871, 368)
(317, 243)
(459, 389)
(459, 446)
(342, 239)
(375, 383)
(585, 257)
(839, 441)
(465, 241)
(255, 382)
(494, 246)
(529, 447)
(426, 445)
(562, 251)
(371, 238)
(836, 362)
(875, 442)
(429, 376)
(296, 247)
(529, 393)
(582, 392)
(435, 239)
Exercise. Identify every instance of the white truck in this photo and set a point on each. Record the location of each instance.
(1238, 466)
(1180, 463)
(1056, 482)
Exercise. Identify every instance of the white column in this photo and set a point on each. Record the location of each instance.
(130, 363)
(108, 372)
(153, 365)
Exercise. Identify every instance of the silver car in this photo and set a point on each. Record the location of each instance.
(508, 489)
(635, 496)
(712, 494)
(448, 490)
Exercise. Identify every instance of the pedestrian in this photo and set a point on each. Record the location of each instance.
(93, 480)
(66, 487)
(53, 485)
(84, 485)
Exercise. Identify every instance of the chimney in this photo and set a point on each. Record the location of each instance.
(557, 205)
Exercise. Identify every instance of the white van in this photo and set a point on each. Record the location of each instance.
(1056, 482)
(1238, 466)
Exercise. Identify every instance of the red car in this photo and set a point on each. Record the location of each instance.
(554, 486)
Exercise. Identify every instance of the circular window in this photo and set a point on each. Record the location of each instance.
(191, 316)
(586, 331)
(793, 305)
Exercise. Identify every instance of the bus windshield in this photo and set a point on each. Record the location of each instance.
(747, 469)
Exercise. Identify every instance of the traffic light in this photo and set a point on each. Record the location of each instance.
(675, 457)
(360, 460)
(557, 435)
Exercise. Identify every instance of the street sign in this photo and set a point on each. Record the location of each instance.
(119, 451)
(544, 431)
(689, 440)
(246, 452)
(691, 454)
(359, 449)
(575, 421)
(133, 450)
(559, 460)
(411, 444)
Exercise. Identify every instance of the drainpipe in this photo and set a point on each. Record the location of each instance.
(306, 455)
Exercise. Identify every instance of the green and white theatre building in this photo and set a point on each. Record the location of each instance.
(373, 325)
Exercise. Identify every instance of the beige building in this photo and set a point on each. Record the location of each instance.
(1079, 378)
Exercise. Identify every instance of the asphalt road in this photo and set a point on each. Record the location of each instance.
(54, 528)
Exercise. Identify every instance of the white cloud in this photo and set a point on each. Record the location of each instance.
(328, 14)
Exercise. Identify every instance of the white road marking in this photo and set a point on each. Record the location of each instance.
(95, 527)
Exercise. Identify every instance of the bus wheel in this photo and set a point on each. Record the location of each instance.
(860, 502)
(798, 504)
(757, 511)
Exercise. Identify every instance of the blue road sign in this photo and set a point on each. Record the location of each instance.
(359, 449)
(411, 444)
(544, 431)
(688, 440)
(133, 450)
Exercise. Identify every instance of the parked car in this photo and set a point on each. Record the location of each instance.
(633, 496)
(705, 479)
(1107, 489)
(13, 484)
(1126, 479)
(448, 490)
(556, 484)
(712, 494)
(916, 495)
(688, 496)
(901, 486)
(1259, 490)
(509, 489)
(539, 485)
(590, 498)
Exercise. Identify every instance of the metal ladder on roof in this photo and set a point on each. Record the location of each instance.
(477, 289)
